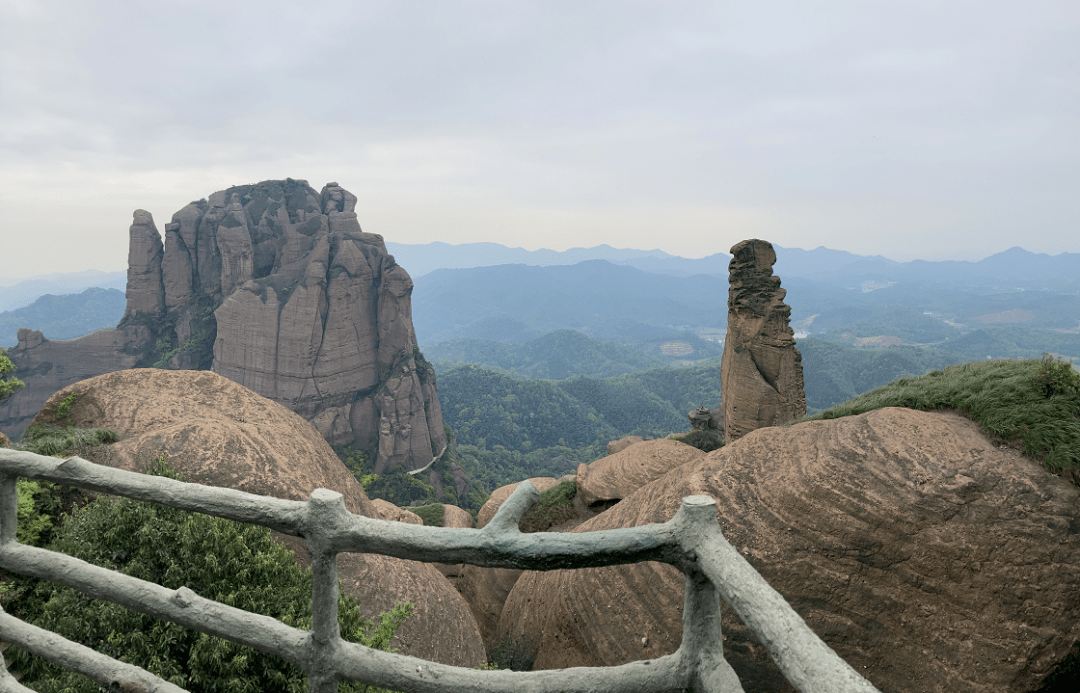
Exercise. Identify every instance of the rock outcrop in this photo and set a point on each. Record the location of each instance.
(929, 558)
(486, 589)
(761, 370)
(608, 480)
(389, 511)
(621, 444)
(276, 287)
(219, 433)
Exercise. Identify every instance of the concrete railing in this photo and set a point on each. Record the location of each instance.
(691, 541)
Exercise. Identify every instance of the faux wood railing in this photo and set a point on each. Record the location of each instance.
(691, 541)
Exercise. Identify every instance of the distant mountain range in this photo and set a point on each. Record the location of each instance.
(511, 295)
(1012, 269)
(29, 290)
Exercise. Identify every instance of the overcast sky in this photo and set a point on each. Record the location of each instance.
(933, 130)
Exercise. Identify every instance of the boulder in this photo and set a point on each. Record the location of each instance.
(923, 554)
(615, 446)
(761, 370)
(454, 516)
(488, 510)
(276, 287)
(485, 589)
(216, 432)
(608, 480)
(5, 442)
(389, 511)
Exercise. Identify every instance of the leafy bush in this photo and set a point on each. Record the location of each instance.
(1056, 377)
(432, 515)
(706, 441)
(8, 385)
(555, 506)
(516, 654)
(237, 564)
(63, 410)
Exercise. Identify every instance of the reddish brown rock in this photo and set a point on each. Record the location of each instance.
(485, 589)
(927, 557)
(621, 444)
(389, 511)
(5, 442)
(145, 293)
(761, 370)
(276, 287)
(216, 432)
(488, 510)
(610, 479)
(454, 516)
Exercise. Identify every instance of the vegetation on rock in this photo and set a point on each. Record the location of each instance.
(1035, 402)
(9, 384)
(237, 564)
(555, 506)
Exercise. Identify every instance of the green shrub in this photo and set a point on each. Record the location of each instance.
(432, 515)
(514, 653)
(51, 439)
(706, 441)
(63, 410)
(555, 506)
(237, 564)
(8, 385)
(1056, 377)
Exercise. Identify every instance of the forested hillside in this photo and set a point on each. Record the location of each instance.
(565, 353)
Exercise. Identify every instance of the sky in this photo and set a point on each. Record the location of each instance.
(914, 130)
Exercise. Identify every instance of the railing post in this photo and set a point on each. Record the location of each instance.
(702, 641)
(324, 508)
(9, 507)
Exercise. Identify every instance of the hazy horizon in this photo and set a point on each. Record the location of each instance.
(12, 279)
(919, 130)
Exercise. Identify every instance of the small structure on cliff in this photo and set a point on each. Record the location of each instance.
(761, 371)
(276, 287)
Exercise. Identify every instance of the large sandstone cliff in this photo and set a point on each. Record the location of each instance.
(276, 287)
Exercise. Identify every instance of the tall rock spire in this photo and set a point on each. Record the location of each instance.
(761, 372)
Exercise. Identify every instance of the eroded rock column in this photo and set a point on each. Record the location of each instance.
(761, 372)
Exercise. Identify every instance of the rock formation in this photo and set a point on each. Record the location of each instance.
(621, 444)
(276, 287)
(486, 589)
(216, 432)
(929, 558)
(389, 511)
(609, 479)
(761, 370)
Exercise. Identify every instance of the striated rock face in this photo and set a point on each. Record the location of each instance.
(276, 287)
(217, 432)
(761, 370)
(924, 555)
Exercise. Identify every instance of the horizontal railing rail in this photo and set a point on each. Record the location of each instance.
(691, 541)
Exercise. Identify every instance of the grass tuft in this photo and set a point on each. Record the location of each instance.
(1034, 401)
(555, 506)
